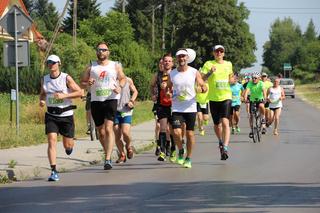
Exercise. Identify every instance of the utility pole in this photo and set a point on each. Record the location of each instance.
(164, 24)
(74, 30)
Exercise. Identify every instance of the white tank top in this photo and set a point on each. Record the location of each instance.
(184, 94)
(54, 85)
(274, 96)
(105, 81)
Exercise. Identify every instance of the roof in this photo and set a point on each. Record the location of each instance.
(8, 3)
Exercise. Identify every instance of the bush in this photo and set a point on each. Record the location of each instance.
(141, 79)
(303, 77)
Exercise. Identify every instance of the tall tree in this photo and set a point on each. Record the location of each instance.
(86, 9)
(29, 5)
(46, 11)
(284, 39)
(310, 34)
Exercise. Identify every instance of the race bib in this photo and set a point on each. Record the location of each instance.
(103, 92)
(52, 100)
(222, 84)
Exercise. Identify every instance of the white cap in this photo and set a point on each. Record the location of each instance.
(54, 58)
(264, 74)
(218, 47)
(182, 52)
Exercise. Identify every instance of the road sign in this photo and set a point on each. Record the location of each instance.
(287, 66)
(23, 21)
(9, 54)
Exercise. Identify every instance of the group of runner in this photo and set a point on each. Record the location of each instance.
(182, 95)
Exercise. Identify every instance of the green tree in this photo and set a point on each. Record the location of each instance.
(29, 5)
(46, 12)
(310, 34)
(86, 9)
(284, 39)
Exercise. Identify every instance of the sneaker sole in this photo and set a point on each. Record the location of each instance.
(107, 167)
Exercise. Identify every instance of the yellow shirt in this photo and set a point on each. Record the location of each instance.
(202, 98)
(219, 87)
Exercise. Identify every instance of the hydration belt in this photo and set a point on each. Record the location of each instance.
(58, 110)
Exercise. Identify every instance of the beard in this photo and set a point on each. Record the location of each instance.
(101, 57)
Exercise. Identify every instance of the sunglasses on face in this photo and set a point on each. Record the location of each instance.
(219, 50)
(181, 56)
(51, 62)
(102, 50)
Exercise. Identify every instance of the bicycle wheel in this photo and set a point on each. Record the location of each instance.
(258, 127)
(93, 132)
(255, 135)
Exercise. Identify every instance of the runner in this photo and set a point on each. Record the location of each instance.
(202, 110)
(164, 107)
(122, 124)
(275, 96)
(219, 74)
(105, 78)
(57, 90)
(236, 89)
(258, 96)
(182, 81)
(247, 80)
(267, 85)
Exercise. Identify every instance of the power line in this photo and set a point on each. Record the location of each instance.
(285, 8)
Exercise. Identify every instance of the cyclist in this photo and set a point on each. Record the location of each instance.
(164, 107)
(257, 96)
(219, 74)
(236, 89)
(275, 96)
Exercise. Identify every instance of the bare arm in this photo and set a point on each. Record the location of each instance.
(153, 84)
(42, 95)
(86, 81)
(76, 91)
(201, 86)
(134, 91)
(121, 76)
(283, 96)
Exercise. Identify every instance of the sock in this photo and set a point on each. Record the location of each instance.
(220, 142)
(158, 142)
(181, 152)
(173, 145)
(225, 148)
(53, 168)
(69, 151)
(163, 139)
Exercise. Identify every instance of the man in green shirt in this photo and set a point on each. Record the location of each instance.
(219, 74)
(258, 94)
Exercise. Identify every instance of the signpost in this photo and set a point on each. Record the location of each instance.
(287, 67)
(15, 22)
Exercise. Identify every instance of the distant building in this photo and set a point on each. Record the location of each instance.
(31, 34)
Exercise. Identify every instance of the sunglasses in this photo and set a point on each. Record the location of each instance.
(254, 78)
(102, 50)
(219, 50)
(51, 62)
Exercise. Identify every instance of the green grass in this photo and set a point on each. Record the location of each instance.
(32, 130)
(309, 93)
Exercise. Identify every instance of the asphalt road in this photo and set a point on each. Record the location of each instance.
(280, 174)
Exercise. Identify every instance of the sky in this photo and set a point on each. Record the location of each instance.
(263, 14)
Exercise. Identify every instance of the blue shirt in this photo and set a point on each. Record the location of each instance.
(236, 91)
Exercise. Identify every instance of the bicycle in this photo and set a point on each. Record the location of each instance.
(256, 124)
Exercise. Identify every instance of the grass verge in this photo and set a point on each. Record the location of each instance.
(309, 93)
(32, 130)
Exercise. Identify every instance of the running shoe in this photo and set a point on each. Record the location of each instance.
(162, 156)
(54, 176)
(224, 155)
(205, 122)
(157, 152)
(107, 165)
(173, 156)
(168, 149)
(180, 160)
(122, 158)
(263, 131)
(238, 129)
(187, 163)
(233, 130)
(201, 132)
(221, 147)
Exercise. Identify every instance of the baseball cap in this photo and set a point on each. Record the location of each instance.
(54, 58)
(264, 74)
(182, 52)
(218, 47)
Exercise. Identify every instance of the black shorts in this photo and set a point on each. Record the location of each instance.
(266, 105)
(105, 110)
(220, 109)
(257, 103)
(61, 125)
(203, 110)
(164, 112)
(274, 109)
(235, 108)
(189, 118)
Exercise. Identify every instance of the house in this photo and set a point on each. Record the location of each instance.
(31, 34)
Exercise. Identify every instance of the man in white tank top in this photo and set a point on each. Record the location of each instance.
(182, 82)
(105, 79)
(57, 90)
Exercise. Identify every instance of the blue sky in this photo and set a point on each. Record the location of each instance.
(263, 14)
